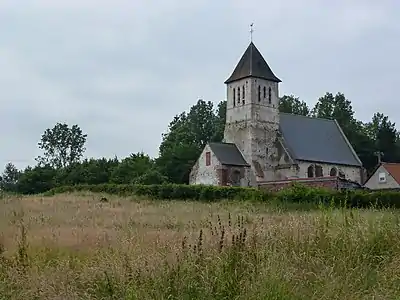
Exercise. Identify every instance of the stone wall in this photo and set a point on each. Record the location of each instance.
(252, 124)
(351, 173)
(202, 174)
(217, 174)
(332, 183)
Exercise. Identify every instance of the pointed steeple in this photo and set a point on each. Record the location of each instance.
(252, 64)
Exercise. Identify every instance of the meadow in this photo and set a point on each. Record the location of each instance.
(83, 246)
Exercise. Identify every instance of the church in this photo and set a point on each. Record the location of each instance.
(263, 145)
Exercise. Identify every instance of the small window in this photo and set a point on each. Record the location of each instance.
(238, 95)
(382, 177)
(234, 97)
(265, 92)
(269, 95)
(243, 92)
(259, 93)
(208, 158)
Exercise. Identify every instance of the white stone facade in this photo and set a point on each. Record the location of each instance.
(252, 123)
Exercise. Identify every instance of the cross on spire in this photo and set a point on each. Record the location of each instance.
(251, 32)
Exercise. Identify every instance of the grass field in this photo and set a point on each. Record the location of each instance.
(78, 247)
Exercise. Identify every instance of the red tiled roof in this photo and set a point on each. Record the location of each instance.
(393, 169)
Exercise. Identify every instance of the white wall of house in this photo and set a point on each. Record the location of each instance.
(381, 179)
(203, 174)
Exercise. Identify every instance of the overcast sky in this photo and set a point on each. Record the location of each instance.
(122, 69)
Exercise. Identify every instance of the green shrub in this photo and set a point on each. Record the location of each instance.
(294, 194)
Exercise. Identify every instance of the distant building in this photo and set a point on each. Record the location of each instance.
(385, 176)
(263, 145)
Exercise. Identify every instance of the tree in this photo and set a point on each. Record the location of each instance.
(293, 105)
(9, 178)
(220, 122)
(37, 180)
(187, 135)
(62, 145)
(131, 168)
(385, 136)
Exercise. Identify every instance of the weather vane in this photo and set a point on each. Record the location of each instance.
(251, 32)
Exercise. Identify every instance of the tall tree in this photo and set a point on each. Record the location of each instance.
(293, 105)
(385, 136)
(220, 122)
(187, 135)
(9, 178)
(62, 145)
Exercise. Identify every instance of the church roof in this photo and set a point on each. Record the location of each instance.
(228, 154)
(317, 140)
(252, 64)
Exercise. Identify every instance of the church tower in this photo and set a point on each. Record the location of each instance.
(252, 113)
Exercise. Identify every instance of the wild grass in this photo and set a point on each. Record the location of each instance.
(84, 247)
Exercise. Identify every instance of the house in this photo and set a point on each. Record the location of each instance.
(262, 145)
(385, 176)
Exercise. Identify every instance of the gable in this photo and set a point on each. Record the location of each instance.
(384, 176)
(228, 154)
(315, 139)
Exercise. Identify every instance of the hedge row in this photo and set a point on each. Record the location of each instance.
(169, 191)
(294, 194)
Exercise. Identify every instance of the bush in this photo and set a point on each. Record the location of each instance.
(170, 191)
(294, 194)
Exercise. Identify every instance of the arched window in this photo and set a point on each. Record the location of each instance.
(310, 171)
(341, 174)
(259, 93)
(238, 95)
(318, 171)
(269, 95)
(234, 97)
(265, 92)
(333, 172)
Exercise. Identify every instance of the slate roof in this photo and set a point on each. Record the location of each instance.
(252, 64)
(228, 154)
(317, 140)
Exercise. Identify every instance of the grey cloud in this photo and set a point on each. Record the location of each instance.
(122, 70)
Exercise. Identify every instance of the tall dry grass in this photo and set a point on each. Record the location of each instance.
(79, 247)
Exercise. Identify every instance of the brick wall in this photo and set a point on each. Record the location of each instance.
(333, 183)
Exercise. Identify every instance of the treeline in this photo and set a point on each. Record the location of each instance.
(63, 147)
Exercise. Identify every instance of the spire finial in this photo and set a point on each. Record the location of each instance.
(251, 32)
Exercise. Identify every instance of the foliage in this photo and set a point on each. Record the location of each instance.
(182, 144)
(297, 193)
(187, 135)
(9, 178)
(293, 105)
(170, 191)
(62, 145)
